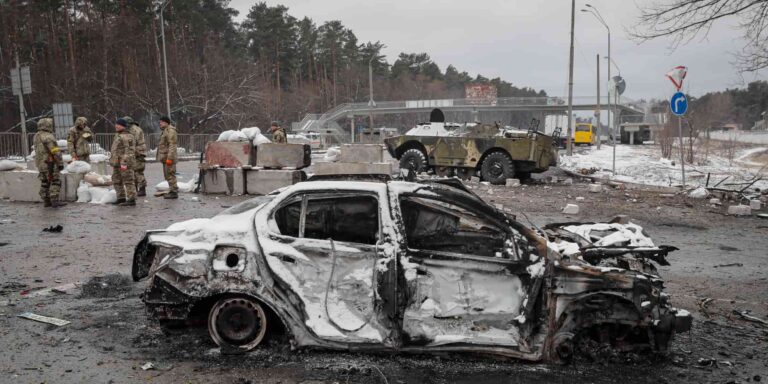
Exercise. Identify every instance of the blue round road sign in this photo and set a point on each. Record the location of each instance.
(678, 103)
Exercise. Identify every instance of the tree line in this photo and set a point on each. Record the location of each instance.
(105, 57)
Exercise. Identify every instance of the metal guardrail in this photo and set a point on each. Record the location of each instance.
(189, 144)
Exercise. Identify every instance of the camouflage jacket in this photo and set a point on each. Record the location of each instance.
(278, 136)
(46, 149)
(123, 149)
(138, 135)
(166, 149)
(78, 141)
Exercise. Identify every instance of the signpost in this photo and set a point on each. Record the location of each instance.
(21, 85)
(678, 104)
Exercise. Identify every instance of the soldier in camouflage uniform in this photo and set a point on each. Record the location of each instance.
(141, 154)
(166, 155)
(49, 163)
(123, 148)
(79, 139)
(278, 133)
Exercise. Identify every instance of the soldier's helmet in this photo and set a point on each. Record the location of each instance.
(128, 120)
(81, 121)
(45, 124)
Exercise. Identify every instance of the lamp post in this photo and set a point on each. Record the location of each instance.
(371, 103)
(594, 12)
(570, 82)
(165, 59)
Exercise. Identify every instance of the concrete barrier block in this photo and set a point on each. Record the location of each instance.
(571, 209)
(340, 168)
(228, 154)
(264, 181)
(278, 155)
(218, 181)
(739, 210)
(20, 186)
(755, 204)
(362, 153)
(595, 188)
(238, 182)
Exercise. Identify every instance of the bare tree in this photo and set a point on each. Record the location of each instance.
(684, 20)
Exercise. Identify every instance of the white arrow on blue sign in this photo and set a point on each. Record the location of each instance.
(678, 103)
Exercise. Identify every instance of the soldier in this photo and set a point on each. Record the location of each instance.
(166, 155)
(141, 154)
(79, 139)
(123, 147)
(49, 163)
(278, 134)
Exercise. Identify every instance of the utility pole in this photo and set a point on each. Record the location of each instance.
(165, 60)
(570, 82)
(371, 103)
(22, 112)
(597, 112)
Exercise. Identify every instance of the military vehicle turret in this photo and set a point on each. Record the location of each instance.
(494, 152)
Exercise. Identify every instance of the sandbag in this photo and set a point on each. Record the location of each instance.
(61, 143)
(97, 180)
(251, 132)
(162, 186)
(8, 165)
(102, 195)
(98, 158)
(78, 167)
(238, 136)
(332, 154)
(83, 192)
(224, 136)
(260, 139)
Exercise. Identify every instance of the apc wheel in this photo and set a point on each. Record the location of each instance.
(496, 168)
(413, 160)
(237, 324)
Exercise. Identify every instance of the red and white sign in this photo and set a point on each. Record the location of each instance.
(676, 76)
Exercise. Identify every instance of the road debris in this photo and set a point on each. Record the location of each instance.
(703, 303)
(755, 204)
(729, 265)
(571, 209)
(595, 188)
(739, 210)
(747, 317)
(699, 193)
(147, 366)
(43, 319)
(54, 229)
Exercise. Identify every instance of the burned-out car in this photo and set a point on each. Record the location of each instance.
(406, 266)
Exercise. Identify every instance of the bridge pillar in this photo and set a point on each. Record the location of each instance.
(352, 128)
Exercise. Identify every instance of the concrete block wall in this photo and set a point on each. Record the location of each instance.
(277, 155)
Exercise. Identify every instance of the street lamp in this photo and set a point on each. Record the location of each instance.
(596, 13)
(165, 59)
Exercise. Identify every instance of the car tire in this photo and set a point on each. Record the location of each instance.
(413, 160)
(237, 324)
(496, 168)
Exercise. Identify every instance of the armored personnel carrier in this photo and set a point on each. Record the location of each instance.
(494, 152)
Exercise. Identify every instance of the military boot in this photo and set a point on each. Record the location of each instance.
(171, 195)
(47, 203)
(128, 203)
(141, 191)
(57, 204)
(118, 202)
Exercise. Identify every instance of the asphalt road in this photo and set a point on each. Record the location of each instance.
(722, 258)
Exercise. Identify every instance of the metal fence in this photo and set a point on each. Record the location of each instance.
(189, 145)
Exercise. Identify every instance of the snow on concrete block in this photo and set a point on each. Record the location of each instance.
(340, 168)
(699, 193)
(362, 153)
(755, 204)
(739, 210)
(228, 154)
(264, 181)
(20, 186)
(513, 182)
(218, 181)
(279, 155)
(595, 188)
(715, 201)
(571, 209)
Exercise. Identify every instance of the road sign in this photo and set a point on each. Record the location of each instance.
(678, 104)
(26, 82)
(62, 118)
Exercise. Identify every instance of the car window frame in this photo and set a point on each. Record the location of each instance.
(305, 196)
(455, 255)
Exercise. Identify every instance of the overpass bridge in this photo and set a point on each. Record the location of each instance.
(328, 122)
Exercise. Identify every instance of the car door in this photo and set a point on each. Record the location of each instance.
(325, 247)
(465, 276)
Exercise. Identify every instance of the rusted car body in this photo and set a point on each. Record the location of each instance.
(408, 267)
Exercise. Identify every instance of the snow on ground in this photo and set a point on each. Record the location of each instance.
(642, 164)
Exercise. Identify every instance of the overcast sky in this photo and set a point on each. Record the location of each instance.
(526, 42)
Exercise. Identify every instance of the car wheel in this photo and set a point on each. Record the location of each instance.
(496, 168)
(413, 160)
(237, 324)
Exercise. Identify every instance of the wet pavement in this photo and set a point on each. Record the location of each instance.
(722, 258)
